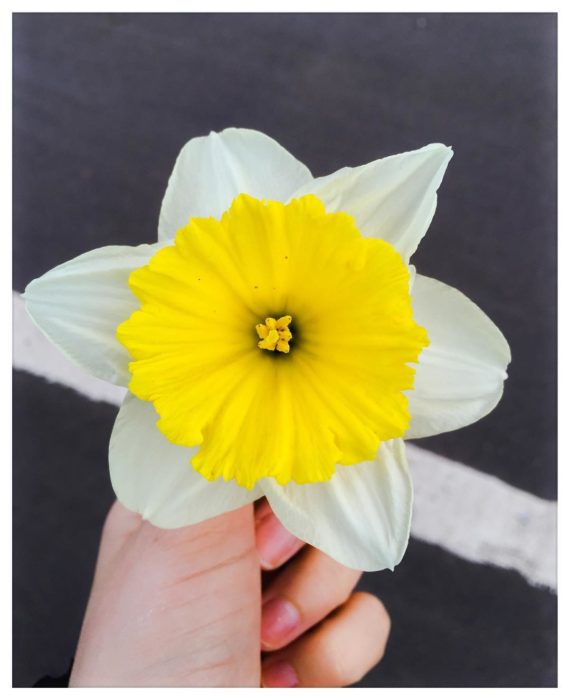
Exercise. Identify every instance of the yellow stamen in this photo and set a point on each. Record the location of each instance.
(262, 330)
(275, 334)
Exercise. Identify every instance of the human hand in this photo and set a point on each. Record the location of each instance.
(184, 608)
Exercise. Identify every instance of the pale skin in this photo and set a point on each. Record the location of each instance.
(187, 607)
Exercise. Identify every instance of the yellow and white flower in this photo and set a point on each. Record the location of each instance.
(276, 342)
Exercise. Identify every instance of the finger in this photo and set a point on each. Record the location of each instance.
(338, 653)
(304, 593)
(120, 524)
(275, 544)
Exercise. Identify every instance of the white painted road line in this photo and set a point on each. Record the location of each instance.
(481, 518)
(469, 513)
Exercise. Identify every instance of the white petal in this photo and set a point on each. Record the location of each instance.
(361, 517)
(78, 306)
(153, 477)
(461, 373)
(392, 198)
(212, 170)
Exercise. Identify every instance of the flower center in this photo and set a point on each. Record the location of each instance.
(342, 389)
(275, 334)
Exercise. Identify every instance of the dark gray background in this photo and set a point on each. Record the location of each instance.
(103, 104)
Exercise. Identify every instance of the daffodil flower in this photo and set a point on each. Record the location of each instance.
(276, 342)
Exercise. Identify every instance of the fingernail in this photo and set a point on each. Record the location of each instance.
(279, 674)
(279, 618)
(274, 543)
